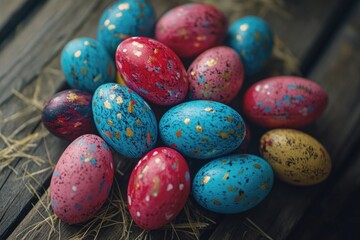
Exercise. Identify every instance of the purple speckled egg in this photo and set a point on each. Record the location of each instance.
(68, 114)
(217, 74)
(82, 179)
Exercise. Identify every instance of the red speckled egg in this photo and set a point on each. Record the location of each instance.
(152, 70)
(217, 74)
(284, 101)
(158, 188)
(190, 29)
(68, 114)
(82, 179)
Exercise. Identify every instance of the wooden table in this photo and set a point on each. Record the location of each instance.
(323, 35)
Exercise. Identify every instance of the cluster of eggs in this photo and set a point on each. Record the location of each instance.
(99, 115)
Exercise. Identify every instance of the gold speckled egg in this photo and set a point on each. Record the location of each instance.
(295, 157)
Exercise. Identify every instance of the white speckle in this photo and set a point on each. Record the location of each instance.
(169, 187)
(181, 186)
(138, 214)
(268, 93)
(147, 198)
(129, 200)
(257, 88)
(163, 167)
(155, 153)
(164, 150)
(168, 215)
(124, 50)
(157, 160)
(266, 86)
(74, 188)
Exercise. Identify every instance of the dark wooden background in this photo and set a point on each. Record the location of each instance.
(324, 35)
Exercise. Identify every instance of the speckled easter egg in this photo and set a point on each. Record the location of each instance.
(86, 64)
(202, 129)
(252, 38)
(82, 179)
(233, 184)
(217, 74)
(296, 157)
(68, 114)
(158, 188)
(192, 28)
(284, 101)
(124, 19)
(152, 70)
(124, 120)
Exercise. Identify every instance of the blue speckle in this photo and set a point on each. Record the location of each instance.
(56, 174)
(292, 86)
(83, 158)
(267, 109)
(170, 64)
(206, 24)
(159, 85)
(201, 79)
(92, 148)
(93, 161)
(102, 184)
(277, 103)
(286, 99)
(299, 98)
(187, 176)
(144, 91)
(173, 166)
(54, 203)
(171, 92)
(157, 69)
(260, 104)
(78, 207)
(90, 197)
(105, 146)
(310, 108)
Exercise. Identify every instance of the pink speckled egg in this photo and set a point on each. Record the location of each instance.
(152, 70)
(217, 74)
(82, 179)
(284, 101)
(158, 188)
(190, 29)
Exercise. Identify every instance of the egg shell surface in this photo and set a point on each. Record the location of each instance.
(192, 28)
(296, 157)
(68, 114)
(217, 74)
(233, 184)
(82, 179)
(158, 188)
(284, 101)
(152, 70)
(86, 64)
(124, 19)
(124, 120)
(252, 38)
(202, 129)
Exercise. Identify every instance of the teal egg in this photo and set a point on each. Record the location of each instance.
(124, 19)
(233, 184)
(202, 129)
(86, 64)
(124, 120)
(252, 38)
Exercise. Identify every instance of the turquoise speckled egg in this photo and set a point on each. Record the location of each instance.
(233, 184)
(202, 129)
(252, 38)
(125, 19)
(124, 120)
(86, 64)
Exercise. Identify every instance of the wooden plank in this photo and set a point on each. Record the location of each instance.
(337, 130)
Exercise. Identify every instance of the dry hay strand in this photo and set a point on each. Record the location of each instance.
(255, 228)
(291, 65)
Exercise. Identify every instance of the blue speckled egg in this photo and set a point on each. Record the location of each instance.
(124, 19)
(233, 184)
(124, 120)
(86, 64)
(252, 38)
(202, 129)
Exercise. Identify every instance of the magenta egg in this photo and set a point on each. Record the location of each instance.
(152, 70)
(190, 29)
(82, 179)
(217, 74)
(284, 101)
(158, 188)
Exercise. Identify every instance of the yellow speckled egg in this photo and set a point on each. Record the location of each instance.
(295, 157)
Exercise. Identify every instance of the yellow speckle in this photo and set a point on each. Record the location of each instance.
(240, 197)
(264, 186)
(137, 53)
(119, 115)
(122, 36)
(137, 186)
(110, 122)
(238, 37)
(217, 202)
(124, 6)
(231, 131)
(85, 62)
(229, 119)
(86, 43)
(156, 50)
(239, 126)
(241, 171)
(205, 180)
(193, 73)
(226, 176)
(119, 14)
(257, 35)
(210, 109)
(199, 129)
(97, 78)
(204, 140)
(106, 22)
(232, 189)
(196, 44)
(212, 62)
(129, 132)
(137, 44)
(197, 150)
(111, 27)
(182, 32)
(201, 38)
(107, 104)
(223, 162)
(83, 71)
(77, 124)
(117, 134)
(131, 106)
(113, 87)
(226, 75)
(257, 166)
(119, 100)
(178, 133)
(244, 27)
(95, 104)
(98, 120)
(101, 93)
(71, 97)
(112, 96)
(156, 186)
(150, 59)
(77, 53)
(138, 121)
(186, 120)
(223, 135)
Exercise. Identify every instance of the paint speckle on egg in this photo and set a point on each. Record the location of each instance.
(252, 39)
(82, 179)
(86, 64)
(124, 120)
(233, 184)
(158, 188)
(152, 70)
(202, 129)
(217, 74)
(284, 101)
(296, 157)
(190, 29)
